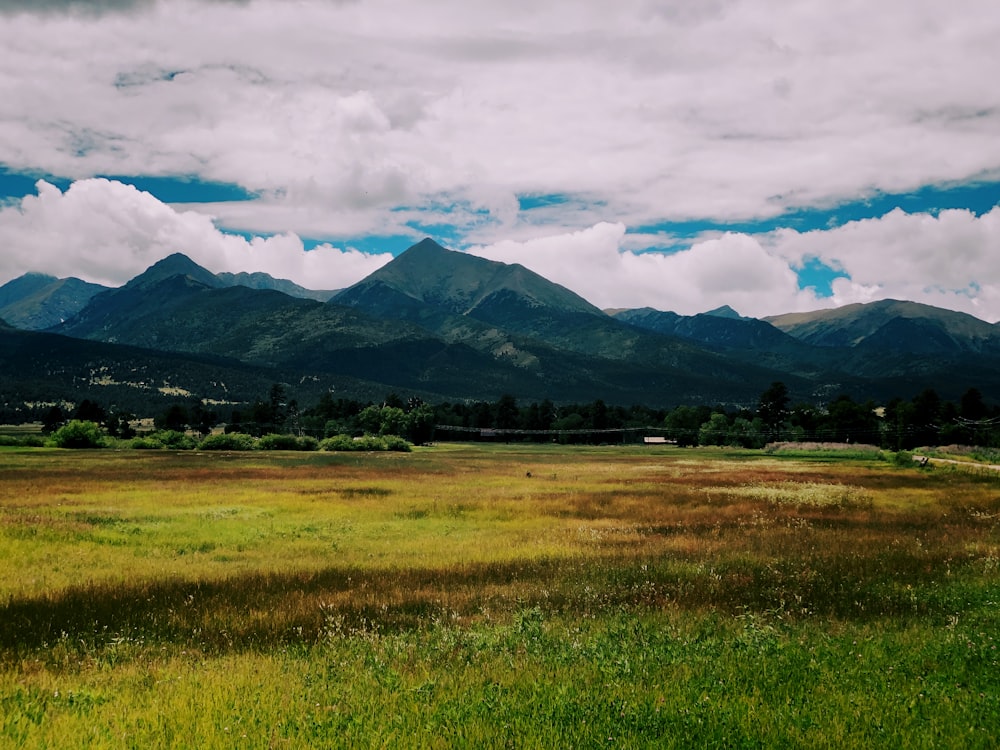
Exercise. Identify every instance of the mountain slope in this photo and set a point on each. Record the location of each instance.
(36, 301)
(465, 284)
(449, 326)
(263, 281)
(38, 367)
(895, 325)
(449, 292)
(497, 307)
(713, 329)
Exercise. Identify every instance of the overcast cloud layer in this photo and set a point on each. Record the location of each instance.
(367, 118)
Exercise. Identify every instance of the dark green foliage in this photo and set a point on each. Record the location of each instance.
(145, 442)
(275, 442)
(22, 441)
(89, 411)
(903, 459)
(54, 419)
(176, 440)
(365, 443)
(231, 441)
(78, 434)
(772, 408)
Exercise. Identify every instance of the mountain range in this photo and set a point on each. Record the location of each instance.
(448, 326)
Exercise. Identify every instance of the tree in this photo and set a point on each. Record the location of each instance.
(119, 425)
(926, 417)
(89, 411)
(683, 422)
(54, 419)
(78, 434)
(715, 431)
(507, 414)
(175, 418)
(420, 424)
(278, 406)
(772, 408)
(971, 405)
(850, 422)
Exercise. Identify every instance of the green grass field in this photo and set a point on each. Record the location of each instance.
(496, 596)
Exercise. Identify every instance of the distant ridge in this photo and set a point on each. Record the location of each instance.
(259, 280)
(38, 301)
(450, 326)
(892, 324)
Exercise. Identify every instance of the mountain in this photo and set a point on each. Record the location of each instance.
(893, 325)
(45, 368)
(174, 266)
(515, 313)
(466, 285)
(177, 306)
(37, 301)
(723, 328)
(260, 280)
(448, 326)
(726, 312)
(413, 325)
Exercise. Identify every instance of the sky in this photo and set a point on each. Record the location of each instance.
(770, 155)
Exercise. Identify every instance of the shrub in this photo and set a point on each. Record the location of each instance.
(366, 443)
(78, 434)
(275, 442)
(176, 440)
(395, 443)
(342, 443)
(903, 458)
(22, 441)
(146, 442)
(232, 441)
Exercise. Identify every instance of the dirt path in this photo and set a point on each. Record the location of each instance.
(968, 464)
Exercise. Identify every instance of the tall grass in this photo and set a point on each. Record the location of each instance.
(495, 595)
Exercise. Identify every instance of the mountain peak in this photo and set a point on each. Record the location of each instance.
(725, 312)
(176, 264)
(427, 245)
(464, 284)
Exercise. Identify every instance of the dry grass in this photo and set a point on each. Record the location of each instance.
(446, 598)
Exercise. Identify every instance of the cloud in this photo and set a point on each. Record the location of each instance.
(948, 260)
(734, 269)
(104, 231)
(84, 7)
(375, 117)
(107, 232)
(653, 111)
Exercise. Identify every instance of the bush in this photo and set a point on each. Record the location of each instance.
(146, 442)
(78, 434)
(22, 441)
(366, 443)
(342, 443)
(395, 443)
(232, 441)
(904, 459)
(274, 442)
(176, 440)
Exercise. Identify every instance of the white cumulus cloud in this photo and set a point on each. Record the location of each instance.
(107, 232)
(733, 269)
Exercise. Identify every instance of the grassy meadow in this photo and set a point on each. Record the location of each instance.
(496, 596)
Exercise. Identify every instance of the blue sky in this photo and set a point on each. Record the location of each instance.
(670, 154)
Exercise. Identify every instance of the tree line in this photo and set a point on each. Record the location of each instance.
(925, 419)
